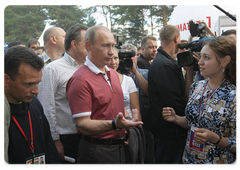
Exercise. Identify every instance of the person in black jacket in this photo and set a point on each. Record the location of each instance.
(166, 86)
(29, 134)
(149, 51)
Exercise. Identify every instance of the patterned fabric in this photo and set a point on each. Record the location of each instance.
(218, 114)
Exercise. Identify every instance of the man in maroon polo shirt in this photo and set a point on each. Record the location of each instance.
(96, 101)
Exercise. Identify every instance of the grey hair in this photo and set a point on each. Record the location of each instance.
(129, 46)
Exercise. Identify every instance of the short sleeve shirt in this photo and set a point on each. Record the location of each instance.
(96, 94)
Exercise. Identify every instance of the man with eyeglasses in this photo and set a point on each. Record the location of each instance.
(149, 51)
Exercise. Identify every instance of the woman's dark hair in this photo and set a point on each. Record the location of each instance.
(16, 55)
(222, 47)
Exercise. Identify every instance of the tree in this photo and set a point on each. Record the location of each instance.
(158, 10)
(23, 22)
(129, 20)
(65, 16)
(132, 21)
(106, 9)
(26, 22)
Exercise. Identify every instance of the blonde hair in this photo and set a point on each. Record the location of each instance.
(167, 33)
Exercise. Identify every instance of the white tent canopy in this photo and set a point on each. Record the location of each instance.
(214, 18)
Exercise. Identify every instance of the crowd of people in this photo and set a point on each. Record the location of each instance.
(69, 102)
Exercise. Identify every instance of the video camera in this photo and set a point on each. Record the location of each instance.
(125, 61)
(197, 29)
(186, 58)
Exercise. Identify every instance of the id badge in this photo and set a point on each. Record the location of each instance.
(40, 159)
(193, 144)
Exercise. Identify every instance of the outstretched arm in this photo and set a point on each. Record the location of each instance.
(88, 126)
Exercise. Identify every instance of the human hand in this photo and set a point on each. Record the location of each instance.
(134, 68)
(196, 55)
(121, 122)
(60, 149)
(188, 68)
(126, 138)
(203, 136)
(169, 114)
(207, 27)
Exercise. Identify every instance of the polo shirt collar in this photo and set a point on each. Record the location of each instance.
(93, 67)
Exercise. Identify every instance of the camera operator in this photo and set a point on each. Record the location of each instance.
(128, 86)
(140, 77)
(192, 56)
(207, 30)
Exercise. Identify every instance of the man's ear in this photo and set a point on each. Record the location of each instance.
(74, 44)
(6, 80)
(142, 50)
(176, 39)
(88, 46)
(53, 39)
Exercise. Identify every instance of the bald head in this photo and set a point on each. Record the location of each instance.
(53, 31)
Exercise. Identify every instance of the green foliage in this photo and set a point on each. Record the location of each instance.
(24, 22)
(132, 20)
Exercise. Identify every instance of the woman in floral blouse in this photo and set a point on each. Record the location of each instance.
(210, 114)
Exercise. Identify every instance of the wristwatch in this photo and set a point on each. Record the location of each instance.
(114, 126)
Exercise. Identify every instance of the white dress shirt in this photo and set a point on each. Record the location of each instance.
(52, 95)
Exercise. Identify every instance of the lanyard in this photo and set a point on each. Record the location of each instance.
(31, 146)
(199, 115)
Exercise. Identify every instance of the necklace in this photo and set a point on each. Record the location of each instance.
(200, 105)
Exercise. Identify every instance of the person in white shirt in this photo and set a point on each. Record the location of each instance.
(52, 92)
(129, 88)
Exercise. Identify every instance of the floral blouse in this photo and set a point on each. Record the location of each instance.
(218, 114)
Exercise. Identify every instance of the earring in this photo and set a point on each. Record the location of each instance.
(223, 70)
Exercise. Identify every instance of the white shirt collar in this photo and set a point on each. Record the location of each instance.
(93, 67)
(70, 60)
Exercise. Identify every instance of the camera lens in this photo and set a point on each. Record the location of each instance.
(127, 64)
